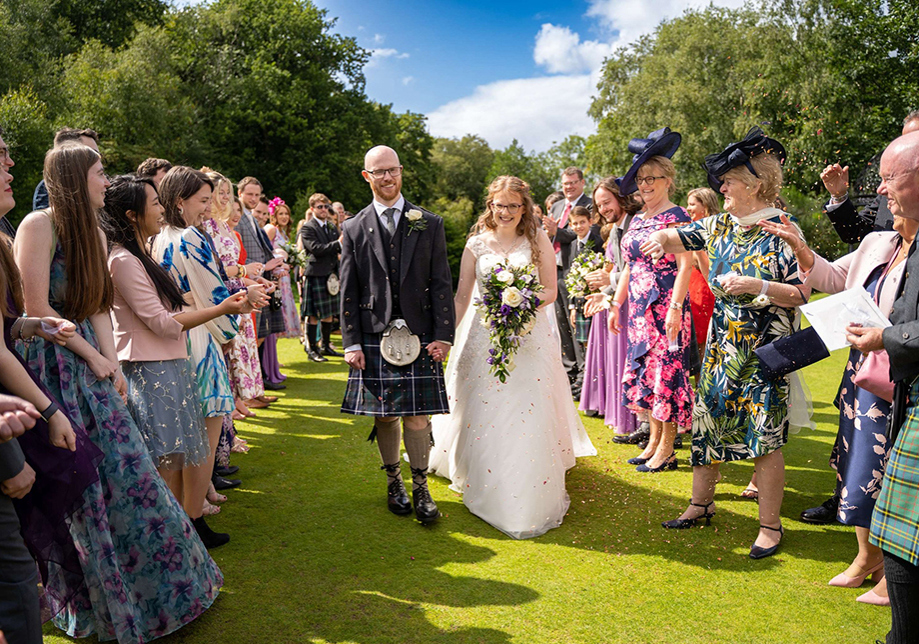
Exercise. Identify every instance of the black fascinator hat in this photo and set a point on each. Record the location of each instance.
(739, 154)
(660, 143)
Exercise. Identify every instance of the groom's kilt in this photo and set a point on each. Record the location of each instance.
(382, 389)
(316, 298)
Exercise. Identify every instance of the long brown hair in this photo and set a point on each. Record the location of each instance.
(89, 284)
(10, 281)
(273, 220)
(182, 183)
(628, 203)
(529, 223)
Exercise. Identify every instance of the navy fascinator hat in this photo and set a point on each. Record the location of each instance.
(739, 154)
(660, 143)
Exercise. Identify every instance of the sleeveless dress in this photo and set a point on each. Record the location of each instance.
(288, 305)
(147, 573)
(506, 447)
(242, 359)
(655, 379)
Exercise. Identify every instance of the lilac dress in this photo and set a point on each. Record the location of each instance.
(604, 366)
(656, 379)
(146, 571)
(288, 304)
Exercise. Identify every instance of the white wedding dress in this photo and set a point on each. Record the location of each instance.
(506, 447)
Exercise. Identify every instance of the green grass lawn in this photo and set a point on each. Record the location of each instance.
(316, 557)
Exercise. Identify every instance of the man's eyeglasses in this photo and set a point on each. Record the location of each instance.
(511, 208)
(649, 180)
(379, 174)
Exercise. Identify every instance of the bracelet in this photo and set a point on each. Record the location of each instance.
(676, 306)
(839, 198)
(243, 271)
(49, 411)
(616, 304)
(765, 287)
(16, 334)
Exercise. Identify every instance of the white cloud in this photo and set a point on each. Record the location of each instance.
(538, 111)
(560, 50)
(378, 39)
(535, 111)
(407, 80)
(380, 54)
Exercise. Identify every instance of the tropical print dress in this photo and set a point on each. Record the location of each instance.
(739, 413)
(146, 571)
(655, 379)
(242, 358)
(189, 259)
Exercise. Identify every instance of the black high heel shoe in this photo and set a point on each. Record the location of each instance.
(669, 464)
(638, 460)
(682, 524)
(756, 552)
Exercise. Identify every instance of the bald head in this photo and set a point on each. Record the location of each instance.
(381, 156)
(900, 176)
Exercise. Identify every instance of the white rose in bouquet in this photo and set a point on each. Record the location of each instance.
(512, 296)
(505, 277)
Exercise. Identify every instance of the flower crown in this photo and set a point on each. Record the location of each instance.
(274, 203)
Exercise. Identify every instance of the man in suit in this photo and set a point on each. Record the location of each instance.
(556, 225)
(320, 238)
(395, 278)
(851, 226)
(20, 618)
(259, 249)
(895, 521)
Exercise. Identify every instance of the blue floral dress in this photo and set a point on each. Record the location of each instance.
(190, 260)
(655, 378)
(147, 573)
(739, 413)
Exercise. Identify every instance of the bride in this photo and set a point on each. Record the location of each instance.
(506, 447)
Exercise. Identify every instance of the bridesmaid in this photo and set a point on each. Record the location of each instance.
(126, 533)
(242, 356)
(606, 352)
(278, 231)
(150, 338)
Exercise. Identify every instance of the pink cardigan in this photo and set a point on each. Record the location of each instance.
(854, 269)
(145, 330)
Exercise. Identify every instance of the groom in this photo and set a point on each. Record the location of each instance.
(397, 324)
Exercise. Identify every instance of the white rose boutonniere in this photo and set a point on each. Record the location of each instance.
(512, 296)
(415, 220)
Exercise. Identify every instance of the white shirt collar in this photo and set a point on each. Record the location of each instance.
(399, 206)
(585, 238)
(576, 200)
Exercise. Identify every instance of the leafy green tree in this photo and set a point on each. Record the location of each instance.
(27, 130)
(514, 160)
(462, 167)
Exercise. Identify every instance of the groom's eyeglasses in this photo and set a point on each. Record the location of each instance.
(511, 208)
(379, 174)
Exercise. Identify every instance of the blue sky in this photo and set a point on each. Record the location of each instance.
(499, 69)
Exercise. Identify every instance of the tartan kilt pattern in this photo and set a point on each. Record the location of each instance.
(382, 389)
(581, 324)
(317, 300)
(270, 322)
(895, 521)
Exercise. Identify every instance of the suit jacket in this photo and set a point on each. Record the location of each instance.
(852, 226)
(854, 269)
(596, 246)
(255, 241)
(322, 246)
(616, 242)
(565, 236)
(901, 340)
(425, 288)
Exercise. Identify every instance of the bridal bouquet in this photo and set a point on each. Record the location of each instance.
(586, 262)
(508, 307)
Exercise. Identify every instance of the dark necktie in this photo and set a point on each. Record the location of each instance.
(389, 220)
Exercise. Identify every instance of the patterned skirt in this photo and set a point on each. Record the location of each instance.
(162, 400)
(289, 309)
(146, 571)
(270, 322)
(382, 389)
(317, 300)
(243, 362)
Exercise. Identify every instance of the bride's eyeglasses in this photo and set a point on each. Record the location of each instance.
(511, 208)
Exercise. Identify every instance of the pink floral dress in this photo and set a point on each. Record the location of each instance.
(242, 358)
(655, 379)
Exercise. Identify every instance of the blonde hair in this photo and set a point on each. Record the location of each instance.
(708, 198)
(768, 178)
(218, 179)
(665, 167)
(529, 224)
